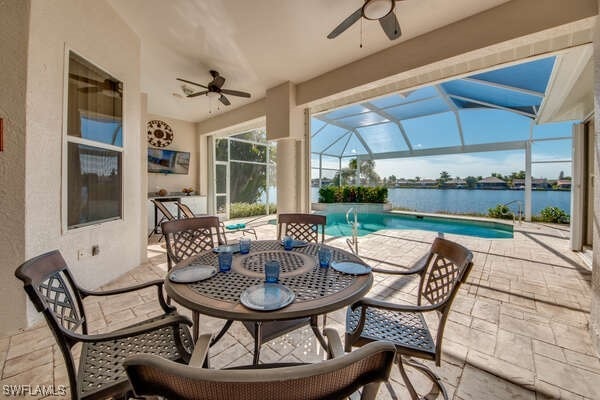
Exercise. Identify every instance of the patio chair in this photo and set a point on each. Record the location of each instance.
(441, 272)
(187, 237)
(302, 226)
(52, 289)
(166, 216)
(187, 211)
(332, 379)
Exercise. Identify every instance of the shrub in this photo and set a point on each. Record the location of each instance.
(554, 215)
(240, 210)
(327, 194)
(500, 211)
(353, 194)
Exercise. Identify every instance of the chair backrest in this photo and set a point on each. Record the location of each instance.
(331, 379)
(186, 210)
(163, 209)
(302, 226)
(189, 236)
(449, 264)
(52, 289)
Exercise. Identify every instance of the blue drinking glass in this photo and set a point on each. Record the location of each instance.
(324, 257)
(272, 271)
(245, 245)
(288, 242)
(225, 259)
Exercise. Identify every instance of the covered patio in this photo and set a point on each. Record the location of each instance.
(524, 325)
(518, 327)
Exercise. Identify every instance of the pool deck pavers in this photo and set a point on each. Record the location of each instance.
(518, 328)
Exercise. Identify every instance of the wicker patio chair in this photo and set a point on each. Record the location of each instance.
(441, 271)
(302, 226)
(166, 216)
(187, 237)
(52, 289)
(337, 378)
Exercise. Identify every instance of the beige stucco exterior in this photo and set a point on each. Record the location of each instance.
(14, 26)
(34, 158)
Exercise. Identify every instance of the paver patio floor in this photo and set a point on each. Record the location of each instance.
(518, 328)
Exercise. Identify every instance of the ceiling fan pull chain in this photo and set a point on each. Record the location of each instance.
(361, 33)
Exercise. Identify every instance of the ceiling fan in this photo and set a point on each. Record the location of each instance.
(214, 89)
(381, 10)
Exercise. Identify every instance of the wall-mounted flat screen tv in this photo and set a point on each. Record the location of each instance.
(168, 161)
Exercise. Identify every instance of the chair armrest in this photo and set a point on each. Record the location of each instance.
(200, 351)
(384, 305)
(169, 320)
(416, 268)
(158, 283)
(334, 343)
(85, 292)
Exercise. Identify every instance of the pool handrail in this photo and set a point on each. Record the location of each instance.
(520, 213)
(353, 243)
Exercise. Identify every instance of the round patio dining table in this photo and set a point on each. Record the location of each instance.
(317, 290)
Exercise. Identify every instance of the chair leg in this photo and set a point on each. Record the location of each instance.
(407, 382)
(196, 326)
(257, 342)
(433, 377)
(430, 374)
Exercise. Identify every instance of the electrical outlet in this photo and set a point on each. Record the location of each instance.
(82, 253)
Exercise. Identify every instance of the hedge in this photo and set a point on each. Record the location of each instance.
(353, 194)
(240, 210)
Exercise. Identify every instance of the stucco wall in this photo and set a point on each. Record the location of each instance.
(185, 139)
(92, 29)
(14, 27)
(595, 307)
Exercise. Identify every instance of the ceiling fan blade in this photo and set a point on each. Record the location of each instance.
(197, 93)
(224, 100)
(347, 23)
(192, 83)
(235, 93)
(218, 81)
(390, 26)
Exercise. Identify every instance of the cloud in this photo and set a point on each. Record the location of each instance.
(463, 165)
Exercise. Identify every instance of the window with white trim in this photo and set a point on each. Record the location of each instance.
(94, 145)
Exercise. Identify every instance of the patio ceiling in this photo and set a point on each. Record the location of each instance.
(457, 116)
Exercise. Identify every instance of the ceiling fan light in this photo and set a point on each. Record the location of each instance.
(212, 95)
(377, 9)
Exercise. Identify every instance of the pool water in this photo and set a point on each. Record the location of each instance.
(373, 222)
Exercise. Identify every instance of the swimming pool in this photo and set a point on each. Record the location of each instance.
(373, 222)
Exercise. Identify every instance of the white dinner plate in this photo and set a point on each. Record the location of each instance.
(267, 296)
(192, 273)
(349, 267)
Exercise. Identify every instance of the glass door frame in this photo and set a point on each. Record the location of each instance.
(221, 194)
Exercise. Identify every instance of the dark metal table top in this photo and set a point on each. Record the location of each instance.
(318, 290)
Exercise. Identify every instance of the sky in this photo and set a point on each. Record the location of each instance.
(484, 126)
